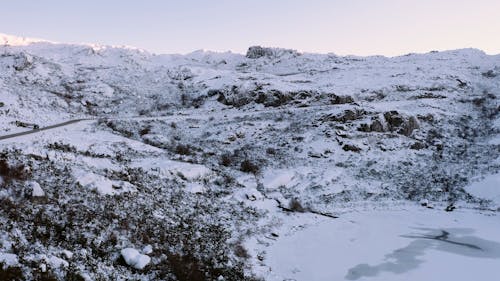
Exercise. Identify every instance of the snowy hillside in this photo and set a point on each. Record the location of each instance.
(119, 164)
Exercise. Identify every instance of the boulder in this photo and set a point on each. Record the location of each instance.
(36, 190)
(400, 123)
(341, 99)
(135, 259)
(377, 126)
(409, 126)
(394, 119)
(351, 147)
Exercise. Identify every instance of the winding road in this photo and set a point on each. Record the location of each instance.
(179, 116)
(42, 129)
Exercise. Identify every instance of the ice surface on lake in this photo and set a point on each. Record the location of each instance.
(404, 245)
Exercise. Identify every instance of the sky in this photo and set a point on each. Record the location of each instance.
(343, 27)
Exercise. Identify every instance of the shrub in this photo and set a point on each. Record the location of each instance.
(226, 159)
(45, 276)
(62, 147)
(144, 131)
(9, 172)
(248, 166)
(271, 151)
(241, 252)
(186, 267)
(11, 273)
(183, 149)
(295, 206)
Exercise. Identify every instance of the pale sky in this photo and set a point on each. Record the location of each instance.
(359, 27)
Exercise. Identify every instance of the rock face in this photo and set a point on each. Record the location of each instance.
(240, 96)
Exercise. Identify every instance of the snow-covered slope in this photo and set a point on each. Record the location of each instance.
(10, 40)
(207, 159)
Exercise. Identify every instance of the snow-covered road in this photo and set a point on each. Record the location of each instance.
(178, 116)
(63, 124)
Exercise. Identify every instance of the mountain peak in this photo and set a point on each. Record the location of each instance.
(12, 40)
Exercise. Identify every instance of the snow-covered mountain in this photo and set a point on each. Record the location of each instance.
(119, 164)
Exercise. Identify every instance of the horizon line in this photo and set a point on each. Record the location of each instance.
(28, 40)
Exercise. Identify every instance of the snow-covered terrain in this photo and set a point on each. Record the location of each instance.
(119, 164)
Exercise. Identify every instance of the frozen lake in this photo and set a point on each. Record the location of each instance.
(391, 245)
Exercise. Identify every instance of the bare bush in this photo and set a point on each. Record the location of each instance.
(248, 166)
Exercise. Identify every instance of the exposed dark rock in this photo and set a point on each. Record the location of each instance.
(429, 95)
(377, 126)
(341, 99)
(396, 122)
(394, 119)
(490, 74)
(461, 83)
(351, 147)
(401, 124)
(276, 98)
(450, 208)
(214, 92)
(346, 116)
(428, 118)
(418, 145)
(302, 95)
(364, 128)
(409, 126)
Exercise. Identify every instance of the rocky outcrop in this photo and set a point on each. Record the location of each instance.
(238, 97)
(346, 116)
(256, 52)
(341, 99)
(391, 121)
